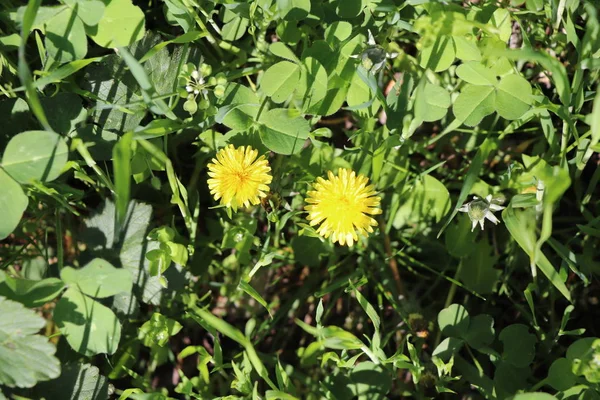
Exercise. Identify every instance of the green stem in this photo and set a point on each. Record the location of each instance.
(60, 252)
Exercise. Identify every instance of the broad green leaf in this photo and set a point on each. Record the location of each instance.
(454, 320)
(240, 107)
(349, 8)
(121, 24)
(560, 374)
(64, 111)
(283, 130)
(89, 11)
(481, 331)
(337, 89)
(397, 101)
(431, 102)
(25, 358)
(338, 32)
(65, 37)
(522, 224)
(13, 203)
(476, 74)
(280, 80)
(439, 55)
(234, 29)
(281, 50)
(501, 20)
(312, 87)
(519, 345)
(558, 71)
(97, 279)
(293, 9)
(513, 97)
(39, 155)
(474, 103)
(90, 327)
(370, 381)
(31, 293)
(509, 379)
(466, 48)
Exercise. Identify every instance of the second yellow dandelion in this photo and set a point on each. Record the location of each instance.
(343, 204)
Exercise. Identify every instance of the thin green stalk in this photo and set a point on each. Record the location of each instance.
(60, 255)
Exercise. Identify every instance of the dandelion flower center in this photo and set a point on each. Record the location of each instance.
(237, 177)
(342, 205)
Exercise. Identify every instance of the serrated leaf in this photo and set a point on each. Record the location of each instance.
(25, 358)
(98, 279)
(90, 327)
(129, 249)
(77, 381)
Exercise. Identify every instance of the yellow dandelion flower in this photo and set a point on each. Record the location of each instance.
(237, 177)
(342, 204)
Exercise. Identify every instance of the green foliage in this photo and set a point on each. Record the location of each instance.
(124, 273)
(25, 357)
